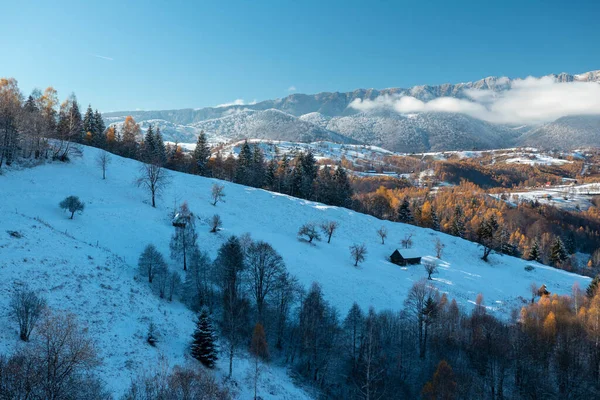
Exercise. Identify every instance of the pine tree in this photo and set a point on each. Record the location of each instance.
(257, 172)
(244, 165)
(343, 189)
(593, 287)
(404, 215)
(270, 174)
(534, 252)
(204, 346)
(435, 221)
(309, 174)
(558, 253)
(201, 154)
(89, 124)
(161, 151)
(458, 225)
(149, 146)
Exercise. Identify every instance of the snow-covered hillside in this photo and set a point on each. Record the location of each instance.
(88, 265)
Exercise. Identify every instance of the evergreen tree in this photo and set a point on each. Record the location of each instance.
(161, 151)
(257, 173)
(558, 253)
(593, 287)
(570, 245)
(458, 225)
(435, 221)
(204, 346)
(343, 189)
(534, 252)
(283, 175)
(201, 155)
(270, 174)
(309, 174)
(244, 165)
(404, 214)
(149, 146)
(89, 125)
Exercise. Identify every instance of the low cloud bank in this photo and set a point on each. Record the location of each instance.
(528, 101)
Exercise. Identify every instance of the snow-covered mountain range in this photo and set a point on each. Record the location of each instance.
(458, 121)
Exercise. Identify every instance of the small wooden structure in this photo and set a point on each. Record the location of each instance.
(543, 291)
(408, 258)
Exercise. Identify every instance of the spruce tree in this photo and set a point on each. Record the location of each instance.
(534, 252)
(89, 124)
(98, 137)
(244, 165)
(343, 189)
(257, 167)
(558, 253)
(270, 174)
(149, 147)
(204, 347)
(404, 214)
(458, 224)
(435, 221)
(201, 154)
(161, 151)
(591, 289)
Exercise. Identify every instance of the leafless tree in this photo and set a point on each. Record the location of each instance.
(217, 193)
(310, 231)
(439, 248)
(430, 267)
(382, 232)
(264, 269)
(358, 252)
(173, 285)
(153, 178)
(102, 160)
(328, 228)
(407, 241)
(178, 383)
(26, 308)
(63, 351)
(150, 261)
(418, 297)
(215, 223)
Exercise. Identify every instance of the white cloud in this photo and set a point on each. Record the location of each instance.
(236, 102)
(528, 101)
(292, 88)
(102, 57)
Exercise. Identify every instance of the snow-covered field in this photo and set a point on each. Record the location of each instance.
(88, 265)
(566, 197)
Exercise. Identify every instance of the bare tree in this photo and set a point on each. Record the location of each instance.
(26, 308)
(58, 364)
(173, 285)
(63, 351)
(382, 232)
(217, 193)
(328, 228)
(430, 267)
(358, 252)
(73, 205)
(153, 178)
(150, 261)
(264, 268)
(310, 231)
(215, 223)
(439, 248)
(102, 160)
(407, 241)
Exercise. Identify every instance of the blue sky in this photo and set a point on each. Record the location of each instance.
(176, 54)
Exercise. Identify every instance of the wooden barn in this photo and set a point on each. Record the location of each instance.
(407, 258)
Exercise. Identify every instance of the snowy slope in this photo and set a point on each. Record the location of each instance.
(102, 289)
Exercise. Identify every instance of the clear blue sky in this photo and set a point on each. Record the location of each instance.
(176, 54)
